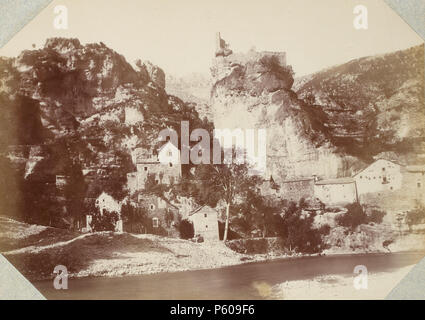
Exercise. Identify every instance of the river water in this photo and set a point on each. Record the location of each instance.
(235, 282)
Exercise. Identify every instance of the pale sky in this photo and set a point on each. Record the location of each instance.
(179, 35)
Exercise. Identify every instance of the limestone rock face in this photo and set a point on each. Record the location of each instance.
(330, 123)
(253, 91)
(82, 102)
(155, 73)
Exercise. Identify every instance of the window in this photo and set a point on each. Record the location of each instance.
(419, 184)
(205, 215)
(206, 226)
(171, 164)
(152, 206)
(383, 169)
(170, 154)
(200, 153)
(145, 168)
(155, 222)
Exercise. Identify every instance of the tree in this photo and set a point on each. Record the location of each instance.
(104, 221)
(186, 229)
(258, 212)
(354, 216)
(75, 192)
(11, 182)
(415, 216)
(230, 182)
(40, 205)
(133, 216)
(297, 232)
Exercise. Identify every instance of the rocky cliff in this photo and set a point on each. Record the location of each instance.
(85, 102)
(328, 123)
(253, 90)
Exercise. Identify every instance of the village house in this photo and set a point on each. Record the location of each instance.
(391, 186)
(414, 180)
(339, 191)
(163, 215)
(205, 223)
(381, 175)
(165, 166)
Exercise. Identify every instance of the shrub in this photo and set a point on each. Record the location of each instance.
(415, 216)
(105, 221)
(376, 216)
(297, 232)
(186, 229)
(386, 243)
(354, 216)
(272, 64)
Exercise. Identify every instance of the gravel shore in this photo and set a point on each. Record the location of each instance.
(35, 251)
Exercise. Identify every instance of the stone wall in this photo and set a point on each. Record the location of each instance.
(296, 190)
(336, 193)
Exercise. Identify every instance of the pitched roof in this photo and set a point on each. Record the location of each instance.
(395, 162)
(335, 181)
(200, 209)
(165, 144)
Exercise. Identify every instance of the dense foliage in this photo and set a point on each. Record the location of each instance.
(186, 229)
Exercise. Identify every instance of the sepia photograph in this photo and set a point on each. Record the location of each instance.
(212, 150)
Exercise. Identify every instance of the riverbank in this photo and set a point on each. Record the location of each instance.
(36, 250)
(339, 287)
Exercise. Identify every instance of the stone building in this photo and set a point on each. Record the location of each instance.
(339, 191)
(291, 190)
(205, 223)
(163, 215)
(295, 190)
(382, 175)
(165, 166)
(391, 186)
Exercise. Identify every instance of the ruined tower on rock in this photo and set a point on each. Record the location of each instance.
(222, 48)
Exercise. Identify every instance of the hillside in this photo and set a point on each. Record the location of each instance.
(68, 105)
(372, 104)
(194, 88)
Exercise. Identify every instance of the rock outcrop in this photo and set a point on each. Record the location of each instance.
(329, 123)
(83, 102)
(253, 90)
